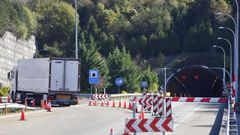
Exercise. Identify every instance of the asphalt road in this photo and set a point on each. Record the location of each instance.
(189, 118)
(195, 118)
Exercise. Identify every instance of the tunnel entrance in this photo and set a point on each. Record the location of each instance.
(195, 81)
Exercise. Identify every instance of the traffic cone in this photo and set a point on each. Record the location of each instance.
(125, 132)
(78, 100)
(102, 104)
(113, 105)
(89, 102)
(49, 106)
(125, 104)
(33, 103)
(130, 106)
(119, 104)
(42, 104)
(111, 131)
(25, 102)
(22, 118)
(95, 102)
(8, 99)
(141, 115)
(107, 103)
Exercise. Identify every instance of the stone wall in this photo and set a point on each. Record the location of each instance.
(11, 50)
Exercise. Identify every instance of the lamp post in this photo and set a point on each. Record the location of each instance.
(235, 65)
(230, 49)
(76, 31)
(224, 78)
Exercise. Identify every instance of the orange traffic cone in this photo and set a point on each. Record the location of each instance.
(33, 103)
(119, 104)
(113, 105)
(95, 102)
(130, 106)
(102, 104)
(141, 115)
(125, 104)
(111, 131)
(107, 103)
(78, 100)
(22, 118)
(90, 102)
(8, 99)
(42, 104)
(49, 106)
(125, 132)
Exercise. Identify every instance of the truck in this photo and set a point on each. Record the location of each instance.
(41, 79)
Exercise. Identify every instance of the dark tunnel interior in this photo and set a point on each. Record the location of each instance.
(195, 81)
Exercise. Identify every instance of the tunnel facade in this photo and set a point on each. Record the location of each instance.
(195, 81)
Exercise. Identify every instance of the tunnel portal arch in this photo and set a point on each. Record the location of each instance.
(195, 81)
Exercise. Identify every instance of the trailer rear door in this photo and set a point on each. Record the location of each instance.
(57, 75)
(71, 75)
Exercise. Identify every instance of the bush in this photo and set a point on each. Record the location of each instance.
(124, 92)
(4, 91)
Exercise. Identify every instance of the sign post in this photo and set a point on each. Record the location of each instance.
(144, 84)
(94, 78)
(119, 82)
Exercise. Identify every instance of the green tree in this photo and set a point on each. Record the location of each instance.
(121, 65)
(56, 25)
(152, 79)
(16, 18)
(92, 59)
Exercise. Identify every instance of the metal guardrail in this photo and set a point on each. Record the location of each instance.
(232, 128)
(5, 99)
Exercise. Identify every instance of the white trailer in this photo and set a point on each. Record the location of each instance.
(56, 79)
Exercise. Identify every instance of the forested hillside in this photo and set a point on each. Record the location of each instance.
(128, 38)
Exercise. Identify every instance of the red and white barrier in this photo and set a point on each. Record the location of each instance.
(168, 108)
(100, 96)
(199, 99)
(149, 125)
(5, 99)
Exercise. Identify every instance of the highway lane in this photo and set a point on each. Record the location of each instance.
(194, 118)
(76, 120)
(189, 118)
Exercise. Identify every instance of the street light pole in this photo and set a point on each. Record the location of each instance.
(76, 31)
(235, 65)
(224, 78)
(230, 49)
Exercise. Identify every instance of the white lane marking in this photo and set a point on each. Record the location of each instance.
(176, 125)
(70, 116)
(15, 115)
(186, 117)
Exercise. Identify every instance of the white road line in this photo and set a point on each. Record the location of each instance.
(186, 117)
(175, 126)
(70, 116)
(18, 114)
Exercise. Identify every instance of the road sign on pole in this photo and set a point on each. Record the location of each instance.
(119, 81)
(144, 84)
(94, 77)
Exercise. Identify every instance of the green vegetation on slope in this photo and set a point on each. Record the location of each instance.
(119, 37)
